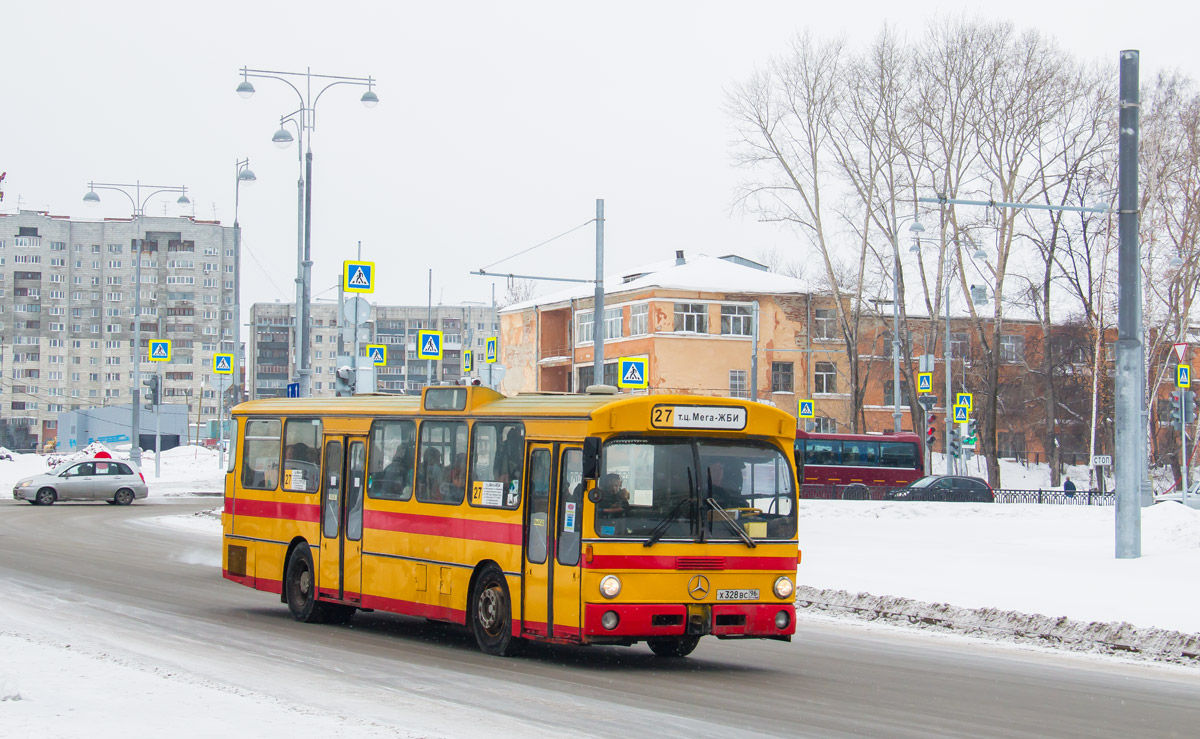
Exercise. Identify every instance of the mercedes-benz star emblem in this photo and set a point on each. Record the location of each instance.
(698, 587)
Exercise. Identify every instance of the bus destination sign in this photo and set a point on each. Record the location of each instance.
(698, 417)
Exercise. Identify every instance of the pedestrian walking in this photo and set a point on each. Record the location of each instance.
(1069, 487)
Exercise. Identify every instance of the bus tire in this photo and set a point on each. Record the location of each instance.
(674, 647)
(300, 586)
(491, 613)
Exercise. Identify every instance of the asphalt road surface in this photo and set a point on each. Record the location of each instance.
(154, 594)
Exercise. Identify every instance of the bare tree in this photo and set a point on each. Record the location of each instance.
(518, 291)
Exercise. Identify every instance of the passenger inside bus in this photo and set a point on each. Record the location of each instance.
(395, 479)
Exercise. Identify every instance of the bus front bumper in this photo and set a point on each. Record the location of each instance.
(723, 620)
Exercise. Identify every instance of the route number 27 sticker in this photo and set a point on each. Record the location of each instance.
(697, 417)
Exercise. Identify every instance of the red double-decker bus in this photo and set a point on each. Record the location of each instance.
(857, 466)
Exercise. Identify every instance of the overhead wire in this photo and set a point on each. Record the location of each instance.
(543, 243)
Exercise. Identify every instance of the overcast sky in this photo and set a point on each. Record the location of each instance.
(499, 123)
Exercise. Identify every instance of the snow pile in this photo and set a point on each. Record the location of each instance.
(1009, 563)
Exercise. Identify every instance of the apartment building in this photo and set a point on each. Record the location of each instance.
(271, 356)
(67, 290)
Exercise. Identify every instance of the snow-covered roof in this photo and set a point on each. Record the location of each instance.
(701, 273)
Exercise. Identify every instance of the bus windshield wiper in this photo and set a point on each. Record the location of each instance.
(658, 531)
(733, 522)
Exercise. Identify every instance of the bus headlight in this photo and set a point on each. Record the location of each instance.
(783, 586)
(610, 586)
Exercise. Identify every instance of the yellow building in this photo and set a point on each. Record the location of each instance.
(697, 320)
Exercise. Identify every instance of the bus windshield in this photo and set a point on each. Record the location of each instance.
(671, 488)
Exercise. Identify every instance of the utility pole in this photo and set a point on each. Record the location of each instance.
(491, 383)
(1130, 456)
(598, 309)
(429, 319)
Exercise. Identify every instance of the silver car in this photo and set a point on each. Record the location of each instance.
(116, 482)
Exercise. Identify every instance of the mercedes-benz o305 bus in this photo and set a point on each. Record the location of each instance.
(585, 519)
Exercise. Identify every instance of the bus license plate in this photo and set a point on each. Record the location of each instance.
(737, 594)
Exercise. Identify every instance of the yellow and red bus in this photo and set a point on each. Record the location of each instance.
(586, 519)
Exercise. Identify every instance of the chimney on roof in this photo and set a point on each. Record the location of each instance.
(679, 257)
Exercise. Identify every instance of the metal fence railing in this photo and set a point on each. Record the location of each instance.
(999, 495)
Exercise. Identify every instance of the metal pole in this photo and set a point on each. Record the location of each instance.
(754, 357)
(135, 430)
(896, 336)
(220, 423)
(158, 426)
(299, 278)
(1129, 456)
(1183, 440)
(429, 320)
(491, 382)
(305, 371)
(598, 308)
(949, 398)
(354, 359)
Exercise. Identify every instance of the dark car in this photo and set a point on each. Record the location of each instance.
(945, 488)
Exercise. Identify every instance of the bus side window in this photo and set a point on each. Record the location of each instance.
(497, 458)
(570, 507)
(260, 454)
(443, 447)
(302, 455)
(392, 457)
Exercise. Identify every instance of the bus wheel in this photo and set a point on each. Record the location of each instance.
(491, 614)
(300, 584)
(676, 647)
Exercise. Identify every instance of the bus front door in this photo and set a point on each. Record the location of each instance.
(342, 519)
(550, 587)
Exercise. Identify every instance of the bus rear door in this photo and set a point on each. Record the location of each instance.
(342, 518)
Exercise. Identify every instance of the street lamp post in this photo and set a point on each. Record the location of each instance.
(304, 119)
(139, 208)
(246, 175)
(916, 229)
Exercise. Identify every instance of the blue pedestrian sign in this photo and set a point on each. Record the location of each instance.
(358, 277)
(1183, 376)
(806, 409)
(377, 353)
(963, 399)
(925, 382)
(468, 361)
(429, 345)
(633, 373)
(962, 414)
(223, 364)
(160, 350)
(489, 355)
(293, 390)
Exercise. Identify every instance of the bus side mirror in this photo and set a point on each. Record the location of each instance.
(591, 457)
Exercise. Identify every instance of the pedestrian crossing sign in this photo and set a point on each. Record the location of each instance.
(962, 414)
(806, 409)
(490, 349)
(377, 353)
(429, 345)
(160, 350)
(223, 364)
(1183, 376)
(963, 399)
(631, 373)
(358, 277)
(924, 382)
(468, 361)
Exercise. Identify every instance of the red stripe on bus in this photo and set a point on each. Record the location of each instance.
(455, 528)
(646, 562)
(411, 608)
(273, 509)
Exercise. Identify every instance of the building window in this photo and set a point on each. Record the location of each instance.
(824, 425)
(583, 327)
(959, 344)
(1010, 444)
(612, 323)
(782, 379)
(639, 319)
(824, 324)
(736, 320)
(738, 387)
(889, 388)
(824, 377)
(588, 371)
(691, 317)
(1012, 348)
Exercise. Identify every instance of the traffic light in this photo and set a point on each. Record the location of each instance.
(931, 432)
(1189, 406)
(152, 393)
(1176, 408)
(344, 384)
(955, 444)
(972, 428)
